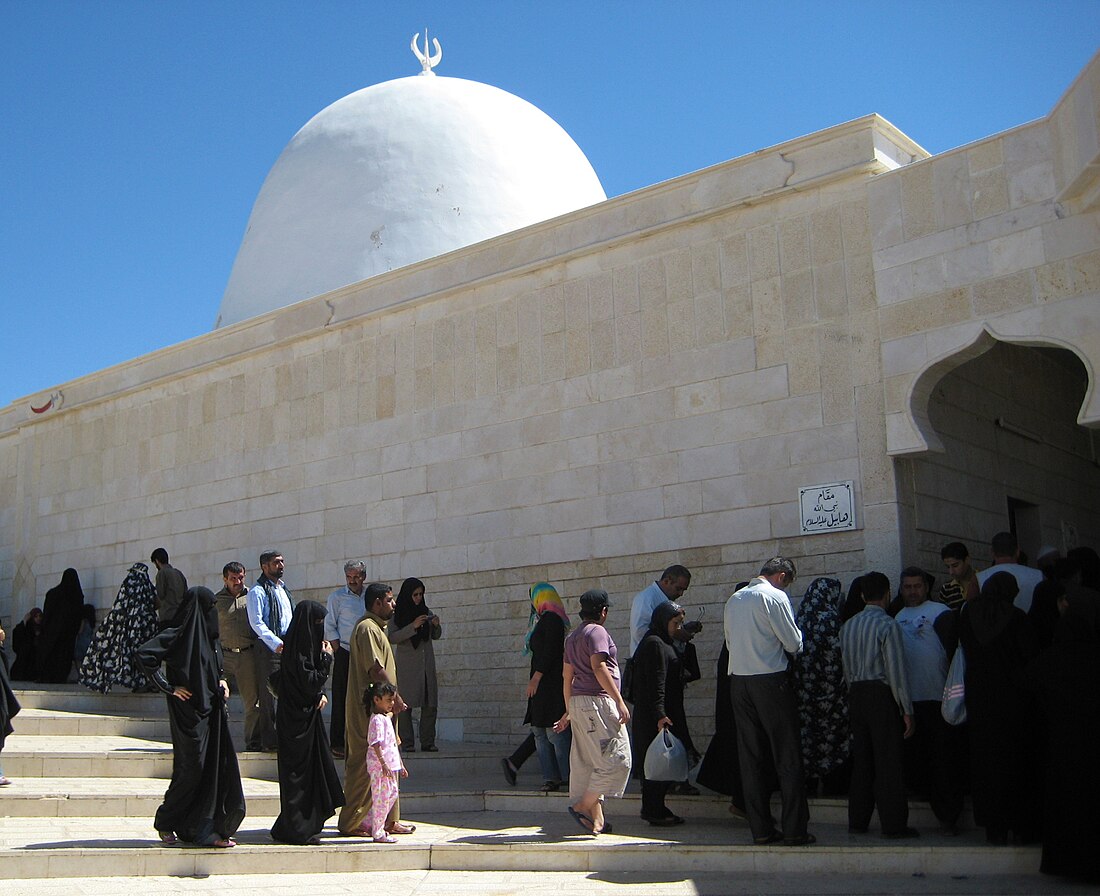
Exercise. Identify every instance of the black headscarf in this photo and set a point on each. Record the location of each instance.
(406, 610)
(303, 667)
(189, 650)
(992, 610)
(663, 614)
(61, 614)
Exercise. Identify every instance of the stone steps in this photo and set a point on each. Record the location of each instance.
(89, 772)
(496, 841)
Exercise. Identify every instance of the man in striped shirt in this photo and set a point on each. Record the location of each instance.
(881, 711)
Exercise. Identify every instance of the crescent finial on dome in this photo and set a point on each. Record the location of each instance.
(428, 62)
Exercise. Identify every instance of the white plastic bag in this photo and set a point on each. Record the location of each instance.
(666, 759)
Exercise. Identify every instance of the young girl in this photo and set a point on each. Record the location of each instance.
(383, 758)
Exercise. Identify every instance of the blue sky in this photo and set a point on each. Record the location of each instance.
(137, 134)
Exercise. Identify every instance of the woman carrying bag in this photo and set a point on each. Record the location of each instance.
(658, 702)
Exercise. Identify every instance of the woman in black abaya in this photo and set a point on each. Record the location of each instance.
(204, 803)
(998, 641)
(658, 702)
(61, 614)
(309, 789)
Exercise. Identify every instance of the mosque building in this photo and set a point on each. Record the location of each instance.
(444, 351)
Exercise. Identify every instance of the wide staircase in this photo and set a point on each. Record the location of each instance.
(89, 771)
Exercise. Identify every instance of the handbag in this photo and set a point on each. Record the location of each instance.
(666, 759)
(626, 684)
(953, 704)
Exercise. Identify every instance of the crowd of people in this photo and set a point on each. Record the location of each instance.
(843, 696)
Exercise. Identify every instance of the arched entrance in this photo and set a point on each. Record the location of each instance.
(1013, 455)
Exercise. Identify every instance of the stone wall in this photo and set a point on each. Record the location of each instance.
(587, 420)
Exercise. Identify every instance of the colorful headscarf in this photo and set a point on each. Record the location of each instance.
(544, 599)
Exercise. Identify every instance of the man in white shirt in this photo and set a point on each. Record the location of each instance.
(760, 632)
(929, 639)
(1006, 555)
(344, 610)
(673, 583)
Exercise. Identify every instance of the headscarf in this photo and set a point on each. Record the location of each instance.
(663, 614)
(61, 614)
(406, 610)
(187, 648)
(303, 668)
(544, 599)
(992, 610)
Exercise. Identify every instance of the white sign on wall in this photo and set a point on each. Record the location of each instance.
(826, 508)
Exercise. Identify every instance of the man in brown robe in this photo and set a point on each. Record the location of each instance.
(370, 650)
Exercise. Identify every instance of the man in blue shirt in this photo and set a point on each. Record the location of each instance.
(269, 610)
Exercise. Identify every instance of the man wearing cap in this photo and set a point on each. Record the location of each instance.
(599, 759)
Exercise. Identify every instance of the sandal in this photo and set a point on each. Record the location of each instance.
(226, 843)
(584, 821)
(4, 781)
(167, 838)
(385, 838)
(400, 828)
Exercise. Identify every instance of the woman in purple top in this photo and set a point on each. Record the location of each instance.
(599, 759)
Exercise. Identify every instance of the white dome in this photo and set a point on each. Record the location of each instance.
(397, 173)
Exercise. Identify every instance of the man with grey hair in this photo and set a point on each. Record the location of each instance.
(760, 632)
(345, 609)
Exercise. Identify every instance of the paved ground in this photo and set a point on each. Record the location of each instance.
(514, 883)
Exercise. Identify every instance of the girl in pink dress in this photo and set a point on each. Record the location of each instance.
(383, 759)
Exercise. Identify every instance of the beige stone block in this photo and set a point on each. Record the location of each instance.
(797, 289)
(898, 392)
(1016, 251)
(989, 193)
(710, 321)
(576, 353)
(984, 156)
(553, 357)
(625, 290)
(951, 181)
(551, 307)
(678, 276)
(465, 377)
(602, 342)
(628, 338)
(894, 284)
(924, 313)
(831, 290)
(1030, 185)
(826, 235)
(737, 308)
(423, 348)
(651, 284)
(601, 304)
(804, 372)
(654, 333)
(508, 368)
(734, 261)
(918, 199)
(885, 224)
(681, 324)
(706, 273)
(1085, 271)
(1003, 294)
(767, 307)
(530, 355)
(794, 245)
(763, 253)
(698, 398)
(576, 304)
